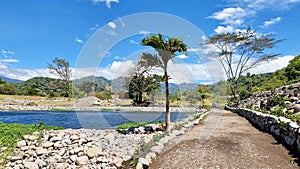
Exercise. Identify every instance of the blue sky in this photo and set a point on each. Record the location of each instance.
(32, 33)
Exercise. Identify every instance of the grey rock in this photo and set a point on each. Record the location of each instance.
(83, 160)
(30, 165)
(57, 144)
(21, 143)
(15, 158)
(74, 137)
(93, 152)
(60, 165)
(139, 166)
(41, 151)
(156, 149)
(73, 158)
(56, 138)
(33, 137)
(295, 107)
(177, 132)
(40, 163)
(78, 149)
(145, 162)
(47, 144)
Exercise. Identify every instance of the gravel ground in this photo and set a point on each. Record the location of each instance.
(224, 140)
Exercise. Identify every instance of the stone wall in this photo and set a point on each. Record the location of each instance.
(291, 93)
(279, 126)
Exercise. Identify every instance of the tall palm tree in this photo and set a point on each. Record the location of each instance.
(167, 50)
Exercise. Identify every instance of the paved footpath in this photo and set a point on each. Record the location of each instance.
(224, 140)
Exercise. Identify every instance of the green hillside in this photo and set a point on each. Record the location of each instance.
(41, 86)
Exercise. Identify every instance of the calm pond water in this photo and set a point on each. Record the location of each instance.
(85, 119)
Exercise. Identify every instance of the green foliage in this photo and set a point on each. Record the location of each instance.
(293, 70)
(192, 96)
(103, 95)
(133, 124)
(41, 86)
(11, 133)
(244, 94)
(7, 88)
(176, 96)
(61, 68)
(274, 100)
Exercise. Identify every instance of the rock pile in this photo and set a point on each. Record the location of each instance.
(148, 129)
(86, 148)
(291, 93)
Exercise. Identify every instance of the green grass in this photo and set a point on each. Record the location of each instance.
(134, 124)
(59, 109)
(10, 134)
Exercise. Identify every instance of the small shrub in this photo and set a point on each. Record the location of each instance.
(244, 94)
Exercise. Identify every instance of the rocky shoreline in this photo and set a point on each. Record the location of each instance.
(73, 148)
(90, 148)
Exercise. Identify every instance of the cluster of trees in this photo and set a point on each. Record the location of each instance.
(7, 88)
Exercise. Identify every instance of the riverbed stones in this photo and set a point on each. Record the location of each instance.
(72, 148)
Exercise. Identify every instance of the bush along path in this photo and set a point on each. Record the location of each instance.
(224, 140)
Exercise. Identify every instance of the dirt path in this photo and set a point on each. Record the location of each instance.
(224, 140)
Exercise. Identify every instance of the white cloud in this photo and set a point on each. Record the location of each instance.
(96, 27)
(112, 25)
(231, 16)
(143, 32)
(271, 22)
(272, 65)
(222, 29)
(112, 33)
(78, 40)
(24, 74)
(270, 4)
(108, 2)
(7, 52)
(182, 56)
(10, 60)
(115, 70)
(203, 38)
(132, 42)
(122, 22)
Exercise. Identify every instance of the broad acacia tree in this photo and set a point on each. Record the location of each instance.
(61, 68)
(167, 50)
(240, 51)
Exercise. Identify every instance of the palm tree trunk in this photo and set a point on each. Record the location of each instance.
(167, 104)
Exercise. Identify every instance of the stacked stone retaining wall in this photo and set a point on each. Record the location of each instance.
(279, 126)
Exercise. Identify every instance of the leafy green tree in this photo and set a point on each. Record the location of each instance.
(204, 92)
(240, 51)
(142, 82)
(105, 95)
(167, 49)
(61, 68)
(293, 69)
(7, 88)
